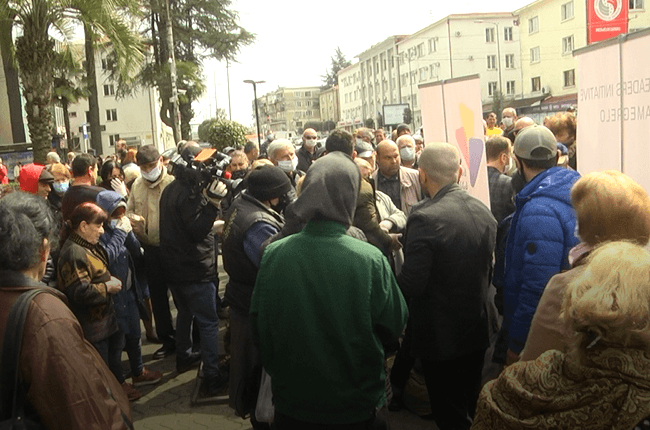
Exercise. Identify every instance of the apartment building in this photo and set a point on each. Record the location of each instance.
(350, 97)
(287, 110)
(330, 106)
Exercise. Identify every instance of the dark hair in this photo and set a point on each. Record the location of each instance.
(107, 169)
(250, 146)
(89, 212)
(81, 163)
(539, 164)
(495, 146)
(340, 140)
(25, 220)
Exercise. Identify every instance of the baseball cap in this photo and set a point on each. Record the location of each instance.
(364, 150)
(147, 154)
(535, 142)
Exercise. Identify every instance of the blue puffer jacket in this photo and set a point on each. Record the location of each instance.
(122, 250)
(541, 235)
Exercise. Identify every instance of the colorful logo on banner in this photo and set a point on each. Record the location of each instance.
(606, 19)
(472, 148)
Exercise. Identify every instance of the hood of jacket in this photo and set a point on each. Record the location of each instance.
(29, 177)
(329, 190)
(547, 184)
(109, 201)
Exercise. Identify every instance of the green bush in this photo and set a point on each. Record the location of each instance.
(224, 133)
(204, 130)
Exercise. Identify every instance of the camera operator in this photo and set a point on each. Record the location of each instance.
(188, 211)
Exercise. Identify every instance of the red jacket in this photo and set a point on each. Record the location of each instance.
(28, 178)
(4, 179)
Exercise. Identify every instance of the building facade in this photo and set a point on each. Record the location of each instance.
(484, 44)
(330, 106)
(135, 119)
(350, 97)
(285, 111)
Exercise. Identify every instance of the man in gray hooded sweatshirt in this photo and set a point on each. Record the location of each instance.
(322, 306)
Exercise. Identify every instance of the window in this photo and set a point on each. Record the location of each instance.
(507, 34)
(297, 94)
(72, 114)
(298, 104)
(109, 90)
(421, 50)
(567, 11)
(534, 54)
(567, 45)
(510, 88)
(346, 97)
(636, 4)
(536, 84)
(533, 25)
(570, 78)
(87, 116)
(491, 62)
(308, 114)
(433, 72)
(510, 61)
(106, 64)
(112, 138)
(492, 88)
(432, 45)
(423, 74)
(489, 35)
(308, 93)
(111, 114)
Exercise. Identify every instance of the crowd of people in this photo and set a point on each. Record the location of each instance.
(342, 259)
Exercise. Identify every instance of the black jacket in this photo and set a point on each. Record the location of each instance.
(446, 273)
(243, 213)
(304, 159)
(186, 237)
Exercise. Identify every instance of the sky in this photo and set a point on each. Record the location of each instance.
(296, 39)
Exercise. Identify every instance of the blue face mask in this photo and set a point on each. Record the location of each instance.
(61, 187)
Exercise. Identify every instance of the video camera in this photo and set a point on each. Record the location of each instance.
(202, 169)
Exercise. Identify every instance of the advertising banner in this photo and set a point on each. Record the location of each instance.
(394, 114)
(614, 107)
(452, 113)
(606, 19)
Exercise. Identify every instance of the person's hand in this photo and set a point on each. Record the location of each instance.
(114, 285)
(395, 245)
(124, 224)
(118, 185)
(511, 357)
(386, 225)
(137, 223)
(216, 191)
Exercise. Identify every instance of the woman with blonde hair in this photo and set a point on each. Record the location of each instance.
(603, 381)
(609, 206)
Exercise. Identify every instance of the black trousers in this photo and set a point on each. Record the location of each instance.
(159, 298)
(453, 387)
(377, 422)
(401, 370)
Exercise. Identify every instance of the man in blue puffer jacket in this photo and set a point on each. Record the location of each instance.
(541, 232)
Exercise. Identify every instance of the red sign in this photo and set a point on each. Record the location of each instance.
(606, 19)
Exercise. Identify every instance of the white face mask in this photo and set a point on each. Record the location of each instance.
(407, 153)
(288, 166)
(310, 143)
(152, 175)
(507, 121)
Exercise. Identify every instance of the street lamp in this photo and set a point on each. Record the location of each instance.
(496, 24)
(257, 115)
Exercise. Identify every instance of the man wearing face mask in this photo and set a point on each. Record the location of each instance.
(406, 146)
(143, 209)
(509, 118)
(400, 183)
(306, 152)
(252, 218)
(498, 152)
(238, 165)
(283, 155)
(541, 232)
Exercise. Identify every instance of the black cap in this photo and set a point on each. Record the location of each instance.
(147, 154)
(403, 127)
(268, 183)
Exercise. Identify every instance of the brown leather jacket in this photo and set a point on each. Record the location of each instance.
(70, 386)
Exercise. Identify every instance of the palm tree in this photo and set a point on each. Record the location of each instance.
(69, 85)
(34, 49)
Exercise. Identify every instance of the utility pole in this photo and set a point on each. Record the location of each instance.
(174, 111)
(257, 114)
(228, 80)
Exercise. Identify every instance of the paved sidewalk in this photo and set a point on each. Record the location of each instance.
(167, 404)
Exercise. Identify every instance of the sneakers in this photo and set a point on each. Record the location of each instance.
(147, 377)
(164, 352)
(185, 364)
(131, 393)
(215, 385)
